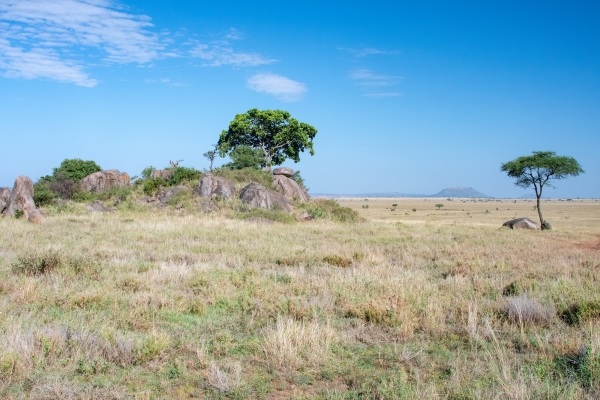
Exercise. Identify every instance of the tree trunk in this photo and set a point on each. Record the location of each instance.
(540, 211)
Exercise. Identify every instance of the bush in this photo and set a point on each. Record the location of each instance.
(31, 264)
(324, 208)
(148, 172)
(153, 186)
(522, 309)
(243, 177)
(42, 195)
(581, 312)
(184, 174)
(75, 169)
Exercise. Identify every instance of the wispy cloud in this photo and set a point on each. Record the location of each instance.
(367, 51)
(38, 34)
(283, 88)
(220, 52)
(365, 77)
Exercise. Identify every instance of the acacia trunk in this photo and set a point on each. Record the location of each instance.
(540, 210)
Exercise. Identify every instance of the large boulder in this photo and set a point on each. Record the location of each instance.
(36, 216)
(102, 181)
(256, 195)
(165, 195)
(281, 201)
(289, 188)
(521, 223)
(21, 197)
(211, 186)
(162, 173)
(4, 196)
(284, 171)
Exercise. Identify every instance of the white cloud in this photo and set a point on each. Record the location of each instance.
(365, 77)
(279, 86)
(38, 36)
(367, 51)
(41, 63)
(218, 54)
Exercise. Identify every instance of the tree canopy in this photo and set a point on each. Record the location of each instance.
(75, 169)
(274, 132)
(246, 157)
(539, 170)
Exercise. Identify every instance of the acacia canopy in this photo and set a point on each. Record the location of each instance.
(274, 132)
(539, 170)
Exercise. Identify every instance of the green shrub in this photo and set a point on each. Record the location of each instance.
(19, 214)
(243, 177)
(243, 157)
(153, 186)
(184, 174)
(42, 195)
(33, 264)
(324, 208)
(75, 169)
(148, 172)
(581, 312)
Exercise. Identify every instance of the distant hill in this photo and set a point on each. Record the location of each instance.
(449, 192)
(460, 192)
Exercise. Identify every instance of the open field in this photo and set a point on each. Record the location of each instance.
(408, 304)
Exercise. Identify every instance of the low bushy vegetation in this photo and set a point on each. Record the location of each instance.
(179, 304)
(329, 209)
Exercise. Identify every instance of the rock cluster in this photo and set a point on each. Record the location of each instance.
(257, 196)
(521, 223)
(287, 186)
(21, 198)
(102, 181)
(211, 186)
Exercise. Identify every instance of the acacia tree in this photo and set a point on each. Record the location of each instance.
(211, 155)
(274, 132)
(539, 170)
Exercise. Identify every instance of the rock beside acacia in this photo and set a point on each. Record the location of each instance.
(36, 216)
(521, 223)
(102, 181)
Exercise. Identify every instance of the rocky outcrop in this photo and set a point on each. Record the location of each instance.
(36, 216)
(255, 195)
(21, 197)
(279, 200)
(521, 223)
(289, 188)
(4, 196)
(97, 206)
(211, 186)
(284, 171)
(165, 195)
(102, 181)
(162, 173)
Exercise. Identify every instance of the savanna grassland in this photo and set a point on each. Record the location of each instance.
(405, 304)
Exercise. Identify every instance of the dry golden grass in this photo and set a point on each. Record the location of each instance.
(168, 304)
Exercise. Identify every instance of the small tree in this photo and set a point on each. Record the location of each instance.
(439, 206)
(211, 155)
(274, 132)
(539, 170)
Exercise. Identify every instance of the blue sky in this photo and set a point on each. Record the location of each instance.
(407, 96)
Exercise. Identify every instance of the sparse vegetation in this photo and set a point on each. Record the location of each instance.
(177, 303)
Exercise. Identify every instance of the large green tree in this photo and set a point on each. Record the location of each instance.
(539, 170)
(75, 169)
(274, 132)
